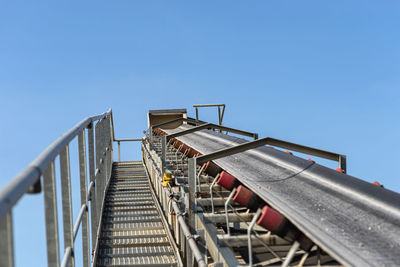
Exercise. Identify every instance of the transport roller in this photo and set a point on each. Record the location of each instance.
(247, 198)
(227, 181)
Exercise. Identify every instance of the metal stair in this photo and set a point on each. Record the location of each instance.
(133, 233)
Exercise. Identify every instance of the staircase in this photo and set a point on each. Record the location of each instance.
(133, 232)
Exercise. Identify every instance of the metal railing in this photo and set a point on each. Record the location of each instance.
(100, 137)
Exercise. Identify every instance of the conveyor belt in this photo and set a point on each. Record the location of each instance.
(356, 222)
(133, 233)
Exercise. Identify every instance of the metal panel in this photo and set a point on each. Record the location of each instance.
(6, 241)
(66, 201)
(93, 214)
(50, 210)
(84, 200)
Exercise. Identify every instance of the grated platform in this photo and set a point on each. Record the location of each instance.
(132, 231)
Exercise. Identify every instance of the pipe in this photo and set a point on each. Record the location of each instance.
(249, 230)
(291, 254)
(189, 237)
(226, 210)
(211, 193)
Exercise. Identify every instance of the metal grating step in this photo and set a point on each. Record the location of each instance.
(137, 251)
(136, 232)
(130, 213)
(163, 260)
(131, 219)
(156, 240)
(132, 231)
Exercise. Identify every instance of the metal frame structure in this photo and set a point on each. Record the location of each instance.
(203, 223)
(220, 114)
(204, 220)
(176, 220)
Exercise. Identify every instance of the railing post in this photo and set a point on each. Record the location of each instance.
(342, 163)
(84, 200)
(66, 202)
(163, 154)
(119, 151)
(50, 210)
(192, 204)
(92, 171)
(6, 241)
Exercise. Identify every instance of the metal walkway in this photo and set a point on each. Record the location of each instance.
(132, 233)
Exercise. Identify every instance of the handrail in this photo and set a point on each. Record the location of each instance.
(99, 143)
(20, 185)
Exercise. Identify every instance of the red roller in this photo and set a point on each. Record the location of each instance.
(184, 148)
(310, 160)
(177, 144)
(242, 195)
(226, 180)
(339, 170)
(206, 165)
(271, 219)
(377, 184)
(279, 225)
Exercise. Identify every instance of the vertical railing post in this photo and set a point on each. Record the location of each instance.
(92, 171)
(67, 202)
(50, 210)
(84, 201)
(6, 241)
(163, 154)
(99, 171)
(342, 163)
(119, 151)
(192, 203)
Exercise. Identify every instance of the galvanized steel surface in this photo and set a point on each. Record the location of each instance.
(132, 230)
(356, 222)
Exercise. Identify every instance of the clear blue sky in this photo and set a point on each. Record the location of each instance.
(319, 73)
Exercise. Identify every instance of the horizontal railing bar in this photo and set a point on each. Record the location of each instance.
(208, 105)
(126, 140)
(79, 219)
(67, 255)
(91, 185)
(21, 183)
